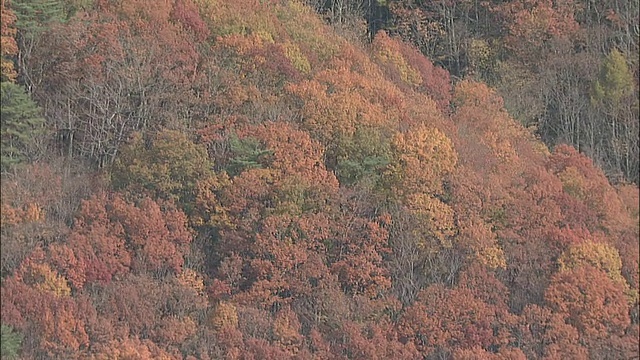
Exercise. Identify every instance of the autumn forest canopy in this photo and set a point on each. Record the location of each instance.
(287, 179)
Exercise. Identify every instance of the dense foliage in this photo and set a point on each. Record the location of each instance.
(549, 60)
(209, 179)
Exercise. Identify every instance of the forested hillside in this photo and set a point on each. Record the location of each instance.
(218, 179)
(566, 69)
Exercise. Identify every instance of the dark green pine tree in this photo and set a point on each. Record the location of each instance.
(248, 153)
(11, 342)
(22, 123)
(34, 16)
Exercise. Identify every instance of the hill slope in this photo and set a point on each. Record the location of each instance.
(268, 189)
